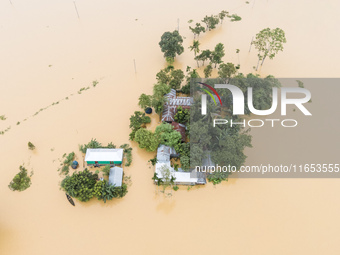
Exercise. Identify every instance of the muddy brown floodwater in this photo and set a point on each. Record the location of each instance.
(47, 53)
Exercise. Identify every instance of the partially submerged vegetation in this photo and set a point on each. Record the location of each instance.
(21, 181)
(67, 161)
(2, 117)
(268, 43)
(224, 145)
(84, 185)
(31, 146)
(93, 144)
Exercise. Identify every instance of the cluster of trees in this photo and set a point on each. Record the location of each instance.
(21, 181)
(191, 74)
(171, 77)
(212, 21)
(268, 43)
(164, 134)
(156, 100)
(138, 121)
(83, 185)
(226, 144)
(214, 57)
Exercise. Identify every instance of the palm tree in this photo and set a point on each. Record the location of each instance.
(195, 47)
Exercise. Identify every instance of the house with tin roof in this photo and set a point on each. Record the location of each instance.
(104, 156)
(164, 154)
(172, 103)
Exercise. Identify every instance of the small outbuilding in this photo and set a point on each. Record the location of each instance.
(103, 156)
(116, 176)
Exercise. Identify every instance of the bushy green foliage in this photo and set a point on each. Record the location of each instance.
(185, 162)
(80, 185)
(211, 21)
(31, 146)
(177, 78)
(171, 44)
(234, 17)
(144, 101)
(21, 181)
(106, 170)
(217, 54)
(175, 188)
(197, 30)
(169, 76)
(111, 146)
(92, 144)
(182, 115)
(104, 191)
(207, 71)
(127, 153)
(146, 139)
(153, 161)
(269, 42)
(65, 165)
(167, 135)
(137, 121)
(2, 117)
(204, 56)
(218, 177)
(226, 71)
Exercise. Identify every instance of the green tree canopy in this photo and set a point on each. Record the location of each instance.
(171, 44)
(146, 139)
(197, 29)
(80, 185)
(207, 71)
(211, 21)
(195, 47)
(21, 181)
(269, 42)
(218, 54)
(222, 15)
(144, 101)
(167, 135)
(226, 71)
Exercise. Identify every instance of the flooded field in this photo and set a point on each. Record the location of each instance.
(48, 54)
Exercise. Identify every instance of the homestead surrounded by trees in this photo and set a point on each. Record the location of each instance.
(180, 177)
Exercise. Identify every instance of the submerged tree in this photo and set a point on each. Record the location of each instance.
(222, 15)
(217, 54)
(207, 71)
(269, 42)
(197, 30)
(195, 47)
(21, 181)
(204, 56)
(226, 71)
(31, 146)
(211, 21)
(234, 17)
(171, 44)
